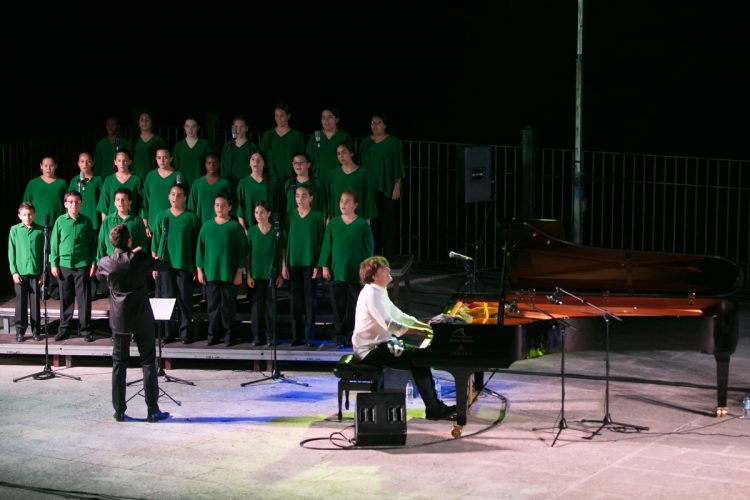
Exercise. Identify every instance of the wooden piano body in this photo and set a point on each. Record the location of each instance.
(665, 301)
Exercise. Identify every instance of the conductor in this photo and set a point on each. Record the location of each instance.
(126, 272)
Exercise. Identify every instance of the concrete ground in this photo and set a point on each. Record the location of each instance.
(282, 440)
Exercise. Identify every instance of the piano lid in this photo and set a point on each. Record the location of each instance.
(540, 258)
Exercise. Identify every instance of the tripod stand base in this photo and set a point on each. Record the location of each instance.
(46, 374)
(277, 377)
(615, 426)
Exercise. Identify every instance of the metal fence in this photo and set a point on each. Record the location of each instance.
(632, 201)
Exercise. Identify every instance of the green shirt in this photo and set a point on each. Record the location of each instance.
(72, 243)
(357, 182)
(189, 160)
(137, 234)
(344, 247)
(90, 193)
(384, 162)
(111, 184)
(203, 194)
(279, 151)
(104, 155)
(222, 249)
(304, 237)
(47, 198)
(156, 194)
(235, 161)
(260, 252)
(144, 155)
(250, 192)
(322, 152)
(182, 236)
(25, 249)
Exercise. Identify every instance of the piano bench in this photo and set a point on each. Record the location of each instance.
(356, 376)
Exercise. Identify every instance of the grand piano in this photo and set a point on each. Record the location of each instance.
(666, 302)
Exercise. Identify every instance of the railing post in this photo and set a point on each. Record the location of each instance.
(528, 174)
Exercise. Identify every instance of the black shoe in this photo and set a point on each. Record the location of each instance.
(227, 341)
(89, 337)
(19, 337)
(258, 343)
(157, 415)
(186, 341)
(61, 335)
(167, 340)
(36, 337)
(442, 413)
(296, 343)
(120, 417)
(211, 341)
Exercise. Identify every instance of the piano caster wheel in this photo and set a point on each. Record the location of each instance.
(456, 430)
(721, 411)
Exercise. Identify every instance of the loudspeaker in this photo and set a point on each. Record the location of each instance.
(476, 164)
(381, 419)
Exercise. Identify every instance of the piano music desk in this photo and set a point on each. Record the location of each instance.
(401, 271)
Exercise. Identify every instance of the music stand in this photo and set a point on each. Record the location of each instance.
(162, 309)
(47, 372)
(275, 372)
(606, 421)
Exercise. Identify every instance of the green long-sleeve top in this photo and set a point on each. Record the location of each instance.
(137, 234)
(322, 152)
(203, 194)
(222, 249)
(104, 155)
(260, 252)
(72, 243)
(316, 190)
(357, 182)
(344, 247)
(47, 198)
(189, 160)
(25, 249)
(156, 194)
(111, 184)
(384, 162)
(250, 192)
(144, 155)
(182, 236)
(304, 237)
(235, 161)
(279, 151)
(90, 193)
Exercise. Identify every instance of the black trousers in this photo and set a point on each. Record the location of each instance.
(422, 375)
(75, 286)
(302, 302)
(177, 284)
(261, 310)
(344, 303)
(120, 357)
(385, 226)
(221, 308)
(27, 293)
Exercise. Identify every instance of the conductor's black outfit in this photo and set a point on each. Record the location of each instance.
(126, 274)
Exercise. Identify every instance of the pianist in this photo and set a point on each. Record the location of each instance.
(377, 325)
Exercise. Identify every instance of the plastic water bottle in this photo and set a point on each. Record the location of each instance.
(438, 389)
(409, 392)
(746, 408)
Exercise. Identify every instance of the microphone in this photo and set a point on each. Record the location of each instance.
(317, 138)
(46, 222)
(512, 306)
(276, 223)
(165, 226)
(82, 182)
(454, 255)
(234, 133)
(179, 180)
(555, 298)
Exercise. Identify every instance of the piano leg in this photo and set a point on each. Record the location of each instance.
(722, 383)
(461, 378)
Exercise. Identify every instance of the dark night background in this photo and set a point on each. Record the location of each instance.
(659, 77)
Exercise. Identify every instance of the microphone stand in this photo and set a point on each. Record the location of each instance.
(606, 421)
(47, 371)
(275, 372)
(561, 325)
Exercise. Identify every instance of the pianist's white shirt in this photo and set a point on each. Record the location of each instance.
(377, 320)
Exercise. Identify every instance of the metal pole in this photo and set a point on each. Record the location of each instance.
(578, 157)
